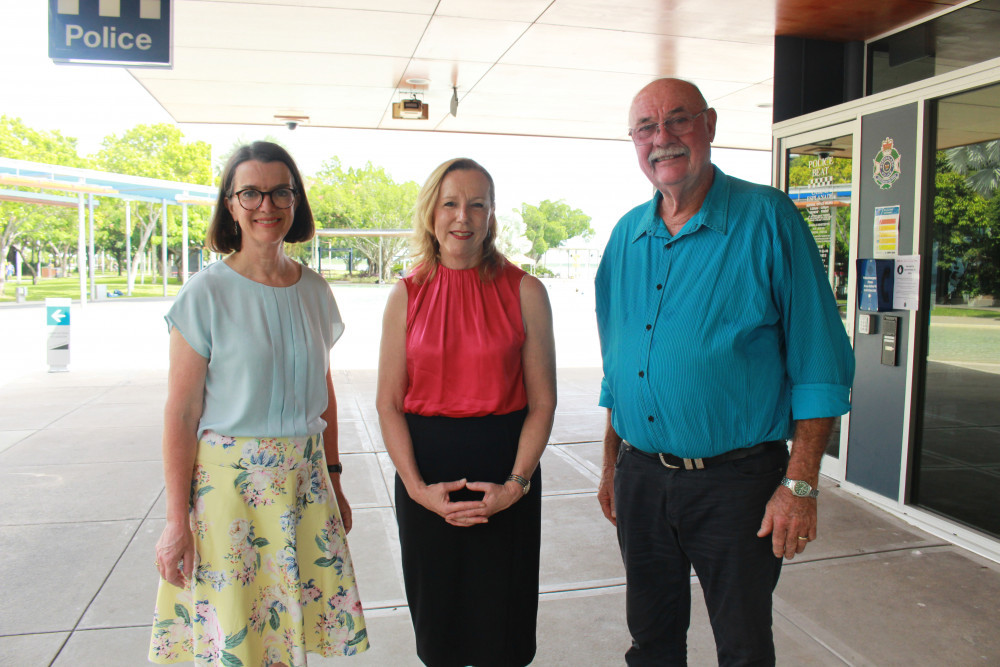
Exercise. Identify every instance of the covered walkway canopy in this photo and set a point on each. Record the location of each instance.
(85, 185)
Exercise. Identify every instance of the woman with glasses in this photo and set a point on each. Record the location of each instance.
(466, 396)
(253, 560)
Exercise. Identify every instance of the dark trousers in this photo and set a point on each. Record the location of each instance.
(670, 520)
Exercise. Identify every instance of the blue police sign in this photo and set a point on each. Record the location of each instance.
(125, 32)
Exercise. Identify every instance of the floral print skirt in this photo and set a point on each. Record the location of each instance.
(273, 574)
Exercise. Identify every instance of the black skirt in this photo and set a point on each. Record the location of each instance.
(472, 592)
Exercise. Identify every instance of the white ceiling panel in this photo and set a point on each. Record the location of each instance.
(745, 22)
(407, 6)
(480, 40)
(443, 74)
(508, 10)
(536, 67)
(305, 29)
(283, 68)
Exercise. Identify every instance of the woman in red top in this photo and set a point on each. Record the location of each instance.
(466, 397)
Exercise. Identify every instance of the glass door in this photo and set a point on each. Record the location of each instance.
(956, 472)
(816, 169)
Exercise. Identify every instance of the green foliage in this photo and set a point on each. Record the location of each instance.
(365, 198)
(549, 224)
(979, 163)
(542, 272)
(966, 237)
(154, 151)
(31, 225)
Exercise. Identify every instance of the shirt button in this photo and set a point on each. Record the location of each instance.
(642, 374)
(650, 417)
(659, 287)
(648, 327)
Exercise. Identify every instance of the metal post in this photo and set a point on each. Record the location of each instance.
(184, 244)
(163, 245)
(91, 260)
(129, 276)
(81, 248)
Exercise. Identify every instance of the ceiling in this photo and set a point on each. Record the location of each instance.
(562, 68)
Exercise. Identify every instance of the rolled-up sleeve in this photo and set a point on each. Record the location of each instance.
(819, 357)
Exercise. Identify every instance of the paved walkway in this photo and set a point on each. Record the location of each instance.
(81, 505)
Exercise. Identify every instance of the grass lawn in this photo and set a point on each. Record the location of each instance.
(70, 287)
(950, 311)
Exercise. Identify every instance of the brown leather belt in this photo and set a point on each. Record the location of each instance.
(678, 463)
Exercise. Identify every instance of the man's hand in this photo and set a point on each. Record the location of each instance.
(606, 494)
(790, 521)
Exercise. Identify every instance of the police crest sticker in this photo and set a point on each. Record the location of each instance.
(887, 165)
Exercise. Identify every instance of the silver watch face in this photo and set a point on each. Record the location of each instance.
(800, 488)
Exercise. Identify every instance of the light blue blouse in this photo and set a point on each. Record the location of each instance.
(268, 350)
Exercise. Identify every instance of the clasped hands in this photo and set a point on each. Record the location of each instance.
(465, 513)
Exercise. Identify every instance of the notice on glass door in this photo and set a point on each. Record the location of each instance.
(886, 231)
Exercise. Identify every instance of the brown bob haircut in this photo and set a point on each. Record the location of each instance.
(223, 233)
(426, 250)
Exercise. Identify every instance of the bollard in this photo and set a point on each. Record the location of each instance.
(20, 294)
(57, 311)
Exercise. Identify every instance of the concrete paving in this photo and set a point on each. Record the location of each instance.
(81, 505)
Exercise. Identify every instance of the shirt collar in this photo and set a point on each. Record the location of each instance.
(713, 213)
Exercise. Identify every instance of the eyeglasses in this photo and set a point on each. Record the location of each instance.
(251, 199)
(677, 126)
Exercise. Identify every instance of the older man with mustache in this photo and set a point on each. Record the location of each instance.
(721, 340)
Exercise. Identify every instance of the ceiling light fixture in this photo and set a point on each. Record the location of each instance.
(454, 101)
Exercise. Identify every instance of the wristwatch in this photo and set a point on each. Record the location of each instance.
(800, 488)
(335, 467)
(525, 483)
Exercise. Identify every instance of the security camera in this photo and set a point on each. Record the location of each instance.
(291, 124)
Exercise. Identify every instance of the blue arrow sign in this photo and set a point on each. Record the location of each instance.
(57, 316)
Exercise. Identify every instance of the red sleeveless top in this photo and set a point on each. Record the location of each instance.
(463, 344)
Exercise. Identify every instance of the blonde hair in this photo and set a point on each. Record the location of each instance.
(426, 249)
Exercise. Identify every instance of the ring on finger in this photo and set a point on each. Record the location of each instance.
(803, 538)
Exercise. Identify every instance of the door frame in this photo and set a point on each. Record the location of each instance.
(834, 467)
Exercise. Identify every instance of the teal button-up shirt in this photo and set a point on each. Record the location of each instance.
(718, 337)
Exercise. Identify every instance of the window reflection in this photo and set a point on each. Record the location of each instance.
(819, 183)
(958, 460)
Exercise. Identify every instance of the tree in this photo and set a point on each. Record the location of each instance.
(979, 163)
(18, 141)
(156, 151)
(966, 237)
(365, 198)
(549, 224)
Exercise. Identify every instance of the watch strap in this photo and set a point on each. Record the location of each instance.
(335, 467)
(800, 488)
(524, 482)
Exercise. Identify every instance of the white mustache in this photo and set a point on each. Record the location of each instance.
(668, 151)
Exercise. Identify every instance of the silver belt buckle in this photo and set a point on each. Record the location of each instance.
(689, 464)
(667, 465)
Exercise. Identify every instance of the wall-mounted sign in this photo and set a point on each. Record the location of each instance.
(887, 165)
(886, 231)
(110, 32)
(906, 284)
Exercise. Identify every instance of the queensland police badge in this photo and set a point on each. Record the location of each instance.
(887, 165)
